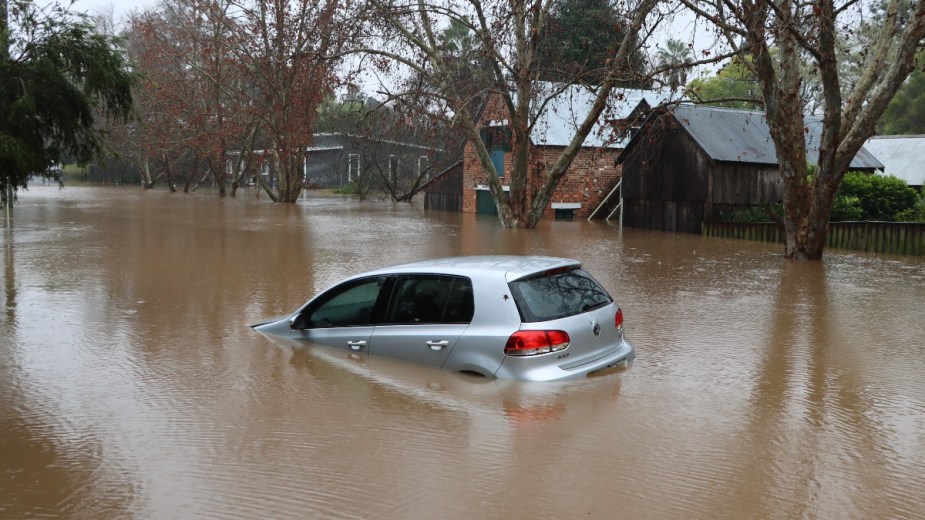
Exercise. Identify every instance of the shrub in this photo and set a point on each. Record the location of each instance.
(350, 188)
(879, 197)
(753, 214)
(846, 208)
(915, 213)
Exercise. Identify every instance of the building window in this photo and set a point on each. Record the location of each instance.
(497, 159)
(353, 166)
(393, 169)
(423, 167)
(497, 137)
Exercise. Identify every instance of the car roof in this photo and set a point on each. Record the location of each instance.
(513, 267)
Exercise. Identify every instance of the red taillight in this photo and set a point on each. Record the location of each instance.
(533, 342)
(618, 320)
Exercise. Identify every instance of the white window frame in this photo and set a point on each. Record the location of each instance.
(353, 166)
(423, 164)
(393, 169)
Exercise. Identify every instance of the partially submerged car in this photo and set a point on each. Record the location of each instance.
(512, 317)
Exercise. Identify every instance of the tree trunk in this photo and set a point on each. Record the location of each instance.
(146, 181)
(219, 175)
(805, 237)
(290, 183)
(263, 185)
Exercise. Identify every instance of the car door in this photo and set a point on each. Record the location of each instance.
(344, 316)
(424, 319)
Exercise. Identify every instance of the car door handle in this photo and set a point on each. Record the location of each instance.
(356, 345)
(437, 345)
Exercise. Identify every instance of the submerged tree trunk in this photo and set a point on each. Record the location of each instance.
(288, 177)
(805, 231)
(146, 181)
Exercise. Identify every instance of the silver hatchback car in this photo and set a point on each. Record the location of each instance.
(530, 318)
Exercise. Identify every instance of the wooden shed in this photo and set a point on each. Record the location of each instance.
(692, 163)
(444, 191)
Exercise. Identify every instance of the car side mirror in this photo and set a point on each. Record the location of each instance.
(298, 322)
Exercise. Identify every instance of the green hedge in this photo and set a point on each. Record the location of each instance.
(862, 196)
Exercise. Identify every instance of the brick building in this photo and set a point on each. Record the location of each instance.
(593, 172)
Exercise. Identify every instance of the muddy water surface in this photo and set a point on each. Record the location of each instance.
(132, 387)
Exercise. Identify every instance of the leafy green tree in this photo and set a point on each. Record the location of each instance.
(906, 113)
(340, 116)
(733, 86)
(579, 37)
(57, 72)
(673, 57)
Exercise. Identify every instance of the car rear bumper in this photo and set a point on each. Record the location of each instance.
(547, 368)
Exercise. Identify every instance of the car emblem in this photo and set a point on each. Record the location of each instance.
(596, 329)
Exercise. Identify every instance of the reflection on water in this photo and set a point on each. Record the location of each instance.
(131, 386)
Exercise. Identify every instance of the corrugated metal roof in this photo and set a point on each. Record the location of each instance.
(902, 156)
(561, 117)
(732, 135)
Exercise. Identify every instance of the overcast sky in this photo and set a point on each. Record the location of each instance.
(122, 7)
(681, 26)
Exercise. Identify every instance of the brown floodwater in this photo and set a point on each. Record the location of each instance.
(132, 387)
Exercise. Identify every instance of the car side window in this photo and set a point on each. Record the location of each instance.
(431, 299)
(349, 305)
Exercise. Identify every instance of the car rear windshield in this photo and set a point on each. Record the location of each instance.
(557, 294)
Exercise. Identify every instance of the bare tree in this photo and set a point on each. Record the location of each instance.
(814, 32)
(225, 77)
(283, 47)
(187, 115)
(506, 36)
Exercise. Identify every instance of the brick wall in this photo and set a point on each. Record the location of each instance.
(592, 174)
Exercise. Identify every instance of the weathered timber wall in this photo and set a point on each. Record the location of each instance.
(443, 201)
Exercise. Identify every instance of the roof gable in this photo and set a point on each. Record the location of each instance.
(570, 105)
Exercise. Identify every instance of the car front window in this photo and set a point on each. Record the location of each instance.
(557, 294)
(348, 305)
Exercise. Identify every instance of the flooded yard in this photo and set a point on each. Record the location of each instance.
(131, 385)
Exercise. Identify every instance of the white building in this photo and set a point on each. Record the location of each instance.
(903, 156)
